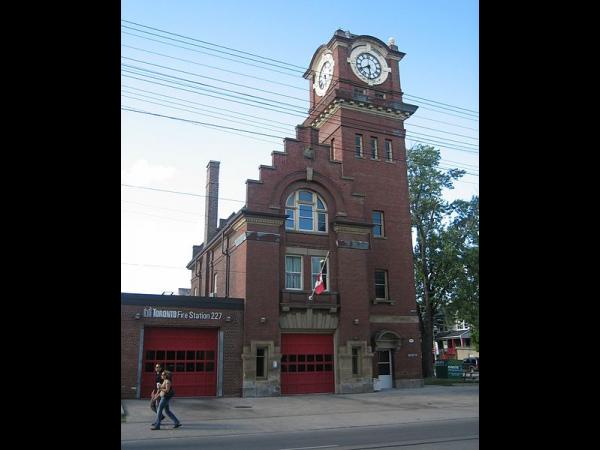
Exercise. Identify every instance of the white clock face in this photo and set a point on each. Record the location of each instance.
(368, 65)
(324, 74)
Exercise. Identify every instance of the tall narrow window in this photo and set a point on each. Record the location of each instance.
(261, 359)
(316, 262)
(332, 150)
(293, 272)
(358, 146)
(215, 280)
(374, 153)
(388, 150)
(355, 354)
(377, 218)
(381, 288)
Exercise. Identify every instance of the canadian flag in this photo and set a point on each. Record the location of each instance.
(319, 285)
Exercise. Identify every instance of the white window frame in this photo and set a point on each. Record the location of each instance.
(361, 154)
(316, 211)
(385, 285)
(313, 275)
(380, 224)
(374, 148)
(301, 273)
(389, 150)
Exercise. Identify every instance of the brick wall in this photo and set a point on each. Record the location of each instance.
(131, 333)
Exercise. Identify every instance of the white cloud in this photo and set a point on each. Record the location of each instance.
(142, 173)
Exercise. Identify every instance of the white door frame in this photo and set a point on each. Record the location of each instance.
(385, 381)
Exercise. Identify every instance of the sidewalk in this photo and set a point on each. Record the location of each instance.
(219, 416)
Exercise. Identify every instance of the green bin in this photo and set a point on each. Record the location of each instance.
(455, 368)
(441, 368)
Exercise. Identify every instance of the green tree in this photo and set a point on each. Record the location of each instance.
(435, 257)
(464, 302)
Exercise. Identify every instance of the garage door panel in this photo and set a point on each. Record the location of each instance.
(191, 354)
(307, 364)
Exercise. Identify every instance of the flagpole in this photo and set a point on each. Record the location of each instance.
(321, 273)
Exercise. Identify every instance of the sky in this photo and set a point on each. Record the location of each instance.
(171, 66)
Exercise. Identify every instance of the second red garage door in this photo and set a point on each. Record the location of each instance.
(307, 364)
(190, 353)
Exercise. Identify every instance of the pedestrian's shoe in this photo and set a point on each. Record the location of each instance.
(162, 417)
(177, 425)
(153, 427)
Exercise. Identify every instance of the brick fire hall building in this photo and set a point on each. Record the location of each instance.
(338, 189)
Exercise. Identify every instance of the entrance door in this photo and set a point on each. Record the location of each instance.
(190, 353)
(384, 366)
(307, 364)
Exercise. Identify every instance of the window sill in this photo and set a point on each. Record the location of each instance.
(380, 237)
(319, 233)
(383, 301)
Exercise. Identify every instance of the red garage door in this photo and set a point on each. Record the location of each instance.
(307, 363)
(191, 354)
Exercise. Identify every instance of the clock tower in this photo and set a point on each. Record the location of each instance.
(355, 93)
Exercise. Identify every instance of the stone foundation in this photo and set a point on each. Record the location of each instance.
(269, 386)
(408, 383)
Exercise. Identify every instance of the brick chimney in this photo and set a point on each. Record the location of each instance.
(212, 201)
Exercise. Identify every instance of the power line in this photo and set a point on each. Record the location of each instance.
(229, 111)
(161, 207)
(209, 86)
(216, 79)
(303, 89)
(432, 142)
(424, 118)
(440, 121)
(270, 92)
(160, 217)
(125, 108)
(434, 101)
(449, 114)
(303, 69)
(283, 108)
(210, 54)
(237, 92)
(201, 114)
(440, 131)
(213, 50)
(208, 95)
(216, 45)
(177, 192)
(154, 265)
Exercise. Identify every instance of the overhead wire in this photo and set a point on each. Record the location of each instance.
(439, 140)
(271, 92)
(215, 45)
(303, 89)
(229, 111)
(292, 67)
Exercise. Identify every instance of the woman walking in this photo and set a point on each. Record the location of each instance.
(164, 394)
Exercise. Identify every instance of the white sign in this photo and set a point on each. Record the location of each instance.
(153, 313)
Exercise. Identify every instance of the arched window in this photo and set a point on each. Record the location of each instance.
(306, 211)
